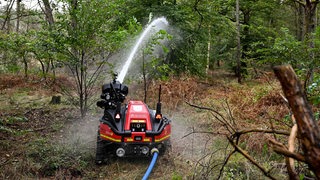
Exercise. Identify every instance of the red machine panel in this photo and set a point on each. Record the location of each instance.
(137, 113)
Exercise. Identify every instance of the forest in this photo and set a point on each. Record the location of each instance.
(240, 85)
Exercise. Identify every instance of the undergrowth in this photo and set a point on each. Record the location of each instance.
(34, 142)
(53, 157)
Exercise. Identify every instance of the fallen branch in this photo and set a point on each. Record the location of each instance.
(247, 156)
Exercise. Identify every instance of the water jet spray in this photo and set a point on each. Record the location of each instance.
(152, 26)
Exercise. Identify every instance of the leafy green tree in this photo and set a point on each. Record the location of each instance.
(285, 49)
(86, 35)
(41, 47)
(16, 49)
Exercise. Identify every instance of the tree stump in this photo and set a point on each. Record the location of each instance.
(55, 100)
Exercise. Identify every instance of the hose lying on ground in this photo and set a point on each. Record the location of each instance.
(155, 153)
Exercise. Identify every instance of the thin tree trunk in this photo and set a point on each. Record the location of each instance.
(8, 16)
(300, 22)
(43, 69)
(81, 85)
(238, 43)
(144, 77)
(48, 12)
(18, 16)
(53, 70)
(310, 27)
(208, 52)
(25, 66)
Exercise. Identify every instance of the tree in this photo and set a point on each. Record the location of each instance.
(86, 36)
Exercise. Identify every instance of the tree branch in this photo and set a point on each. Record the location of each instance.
(282, 149)
(247, 156)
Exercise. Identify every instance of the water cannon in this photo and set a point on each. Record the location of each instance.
(113, 94)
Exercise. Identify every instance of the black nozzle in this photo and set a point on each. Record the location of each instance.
(158, 109)
(115, 75)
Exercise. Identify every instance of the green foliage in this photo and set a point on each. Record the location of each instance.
(285, 49)
(15, 48)
(154, 65)
(313, 90)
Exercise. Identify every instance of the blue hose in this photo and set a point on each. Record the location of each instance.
(155, 153)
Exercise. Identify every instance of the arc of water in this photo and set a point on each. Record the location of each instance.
(126, 66)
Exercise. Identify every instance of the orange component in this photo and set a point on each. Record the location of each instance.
(158, 116)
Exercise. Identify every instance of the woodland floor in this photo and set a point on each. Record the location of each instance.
(39, 140)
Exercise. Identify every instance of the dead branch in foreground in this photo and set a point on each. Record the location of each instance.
(308, 129)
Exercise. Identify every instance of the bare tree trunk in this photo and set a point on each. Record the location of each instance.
(300, 22)
(8, 16)
(238, 43)
(43, 69)
(306, 22)
(53, 70)
(208, 52)
(310, 19)
(48, 12)
(308, 129)
(18, 15)
(81, 85)
(144, 77)
(25, 66)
